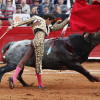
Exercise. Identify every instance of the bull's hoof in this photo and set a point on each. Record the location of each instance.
(11, 84)
(95, 79)
(40, 87)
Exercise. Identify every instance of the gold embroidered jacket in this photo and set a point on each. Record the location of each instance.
(39, 23)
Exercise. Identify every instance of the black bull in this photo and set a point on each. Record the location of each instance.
(67, 53)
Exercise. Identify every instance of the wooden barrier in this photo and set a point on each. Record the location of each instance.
(22, 33)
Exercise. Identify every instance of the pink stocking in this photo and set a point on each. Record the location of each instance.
(18, 69)
(39, 80)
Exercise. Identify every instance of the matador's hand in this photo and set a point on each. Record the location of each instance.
(10, 28)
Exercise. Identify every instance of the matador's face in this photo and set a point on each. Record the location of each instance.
(48, 21)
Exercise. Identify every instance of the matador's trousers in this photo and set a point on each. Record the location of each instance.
(38, 45)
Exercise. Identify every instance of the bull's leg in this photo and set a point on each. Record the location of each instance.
(78, 67)
(6, 68)
(19, 77)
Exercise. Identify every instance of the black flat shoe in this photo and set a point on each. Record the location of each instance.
(11, 84)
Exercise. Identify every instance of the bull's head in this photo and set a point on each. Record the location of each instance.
(93, 38)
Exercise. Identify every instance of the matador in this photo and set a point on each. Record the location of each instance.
(41, 28)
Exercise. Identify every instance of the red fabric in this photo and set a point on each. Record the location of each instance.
(85, 17)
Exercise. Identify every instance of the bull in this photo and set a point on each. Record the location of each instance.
(67, 53)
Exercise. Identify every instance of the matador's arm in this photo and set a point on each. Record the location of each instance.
(27, 21)
(57, 27)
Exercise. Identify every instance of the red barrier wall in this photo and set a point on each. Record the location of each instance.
(21, 33)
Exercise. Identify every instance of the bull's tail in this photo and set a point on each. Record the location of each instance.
(6, 47)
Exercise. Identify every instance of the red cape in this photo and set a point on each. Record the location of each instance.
(85, 17)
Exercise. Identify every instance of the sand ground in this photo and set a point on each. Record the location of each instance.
(60, 85)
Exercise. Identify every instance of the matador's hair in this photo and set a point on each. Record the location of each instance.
(50, 16)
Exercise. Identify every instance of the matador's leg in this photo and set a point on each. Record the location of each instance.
(20, 65)
(38, 42)
(27, 56)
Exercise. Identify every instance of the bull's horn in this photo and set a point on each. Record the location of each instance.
(86, 35)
